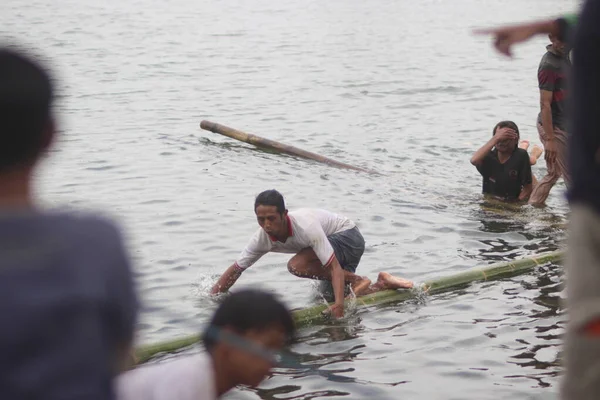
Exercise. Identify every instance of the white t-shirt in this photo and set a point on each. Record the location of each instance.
(186, 378)
(308, 227)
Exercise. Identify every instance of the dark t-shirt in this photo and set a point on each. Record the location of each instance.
(584, 145)
(66, 302)
(552, 77)
(505, 180)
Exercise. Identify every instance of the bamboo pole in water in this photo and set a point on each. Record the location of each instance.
(273, 145)
(312, 315)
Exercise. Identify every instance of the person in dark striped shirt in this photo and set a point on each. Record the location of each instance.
(551, 122)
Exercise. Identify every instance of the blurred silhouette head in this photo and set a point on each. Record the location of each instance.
(26, 124)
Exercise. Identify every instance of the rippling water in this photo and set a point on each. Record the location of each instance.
(399, 86)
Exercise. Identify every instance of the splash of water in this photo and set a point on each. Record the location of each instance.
(421, 297)
(351, 303)
(201, 285)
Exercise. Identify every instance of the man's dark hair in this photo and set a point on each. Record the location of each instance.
(250, 309)
(270, 198)
(25, 101)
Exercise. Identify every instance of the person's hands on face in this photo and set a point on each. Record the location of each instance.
(505, 139)
(505, 134)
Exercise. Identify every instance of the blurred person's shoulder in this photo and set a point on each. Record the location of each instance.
(81, 225)
(89, 224)
(89, 233)
(74, 231)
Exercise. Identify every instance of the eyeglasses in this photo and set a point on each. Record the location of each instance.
(241, 343)
(280, 359)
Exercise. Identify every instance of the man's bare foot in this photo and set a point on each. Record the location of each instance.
(360, 287)
(536, 152)
(388, 281)
(524, 144)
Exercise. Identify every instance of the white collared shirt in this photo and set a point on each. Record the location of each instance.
(307, 227)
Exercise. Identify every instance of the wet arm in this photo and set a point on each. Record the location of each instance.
(526, 177)
(337, 281)
(480, 154)
(546, 109)
(229, 277)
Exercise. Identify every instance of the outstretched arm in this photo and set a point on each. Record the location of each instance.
(506, 37)
(229, 277)
(254, 250)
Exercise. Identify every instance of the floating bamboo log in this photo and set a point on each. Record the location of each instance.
(275, 146)
(313, 315)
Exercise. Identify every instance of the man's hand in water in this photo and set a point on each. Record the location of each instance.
(336, 310)
(229, 277)
(337, 282)
(505, 134)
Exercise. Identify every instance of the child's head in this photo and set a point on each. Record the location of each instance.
(25, 100)
(507, 145)
(257, 317)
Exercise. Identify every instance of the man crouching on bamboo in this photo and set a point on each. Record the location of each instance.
(327, 246)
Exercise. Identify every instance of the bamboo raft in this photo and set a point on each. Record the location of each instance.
(314, 315)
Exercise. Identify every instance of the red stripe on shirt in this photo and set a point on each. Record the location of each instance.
(329, 261)
(547, 76)
(559, 95)
(290, 229)
(236, 265)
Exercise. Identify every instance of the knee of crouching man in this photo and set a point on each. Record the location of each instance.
(291, 265)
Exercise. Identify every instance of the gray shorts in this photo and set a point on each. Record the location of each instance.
(348, 246)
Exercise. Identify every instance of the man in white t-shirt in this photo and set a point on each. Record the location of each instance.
(328, 247)
(242, 344)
